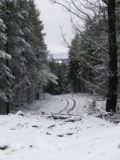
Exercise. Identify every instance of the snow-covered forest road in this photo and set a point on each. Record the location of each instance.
(34, 136)
(65, 104)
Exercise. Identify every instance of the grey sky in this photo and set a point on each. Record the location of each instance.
(53, 16)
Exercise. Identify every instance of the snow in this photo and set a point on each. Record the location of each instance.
(34, 136)
(4, 55)
(20, 113)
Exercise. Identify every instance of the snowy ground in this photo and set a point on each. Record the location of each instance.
(36, 137)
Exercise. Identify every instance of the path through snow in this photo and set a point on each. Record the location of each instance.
(35, 137)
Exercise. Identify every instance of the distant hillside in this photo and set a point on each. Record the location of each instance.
(60, 55)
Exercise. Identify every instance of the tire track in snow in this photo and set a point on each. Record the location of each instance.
(73, 106)
(65, 109)
(68, 107)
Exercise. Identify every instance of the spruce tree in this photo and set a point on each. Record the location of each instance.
(39, 73)
(89, 52)
(16, 46)
(5, 74)
(74, 64)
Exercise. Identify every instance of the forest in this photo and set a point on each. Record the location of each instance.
(24, 66)
(60, 109)
(94, 51)
(93, 63)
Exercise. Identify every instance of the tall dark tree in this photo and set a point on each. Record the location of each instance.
(15, 45)
(5, 74)
(38, 74)
(74, 65)
(113, 78)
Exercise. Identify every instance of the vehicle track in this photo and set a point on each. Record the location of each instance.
(68, 109)
(65, 108)
(73, 106)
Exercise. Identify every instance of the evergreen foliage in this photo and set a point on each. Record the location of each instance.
(23, 52)
(63, 85)
(5, 74)
(88, 57)
(75, 66)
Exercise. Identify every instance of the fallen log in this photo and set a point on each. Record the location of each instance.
(68, 117)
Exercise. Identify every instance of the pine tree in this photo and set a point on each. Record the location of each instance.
(61, 71)
(38, 74)
(16, 46)
(5, 75)
(90, 50)
(74, 65)
(94, 54)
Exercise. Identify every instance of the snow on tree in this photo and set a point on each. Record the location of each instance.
(83, 10)
(23, 52)
(5, 74)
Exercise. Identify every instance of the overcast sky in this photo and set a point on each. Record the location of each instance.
(53, 16)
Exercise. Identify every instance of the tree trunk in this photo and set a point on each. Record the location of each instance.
(113, 78)
(7, 107)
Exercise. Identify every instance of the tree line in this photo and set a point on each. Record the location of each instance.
(23, 53)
